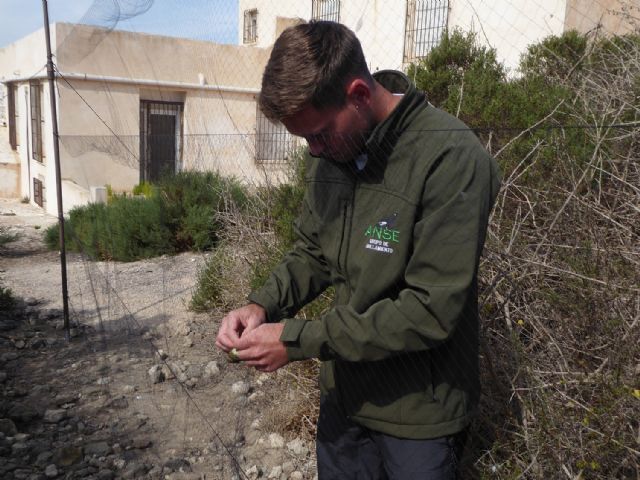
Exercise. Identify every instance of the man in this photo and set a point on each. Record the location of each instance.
(394, 218)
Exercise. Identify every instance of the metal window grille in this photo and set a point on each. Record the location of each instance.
(38, 189)
(325, 10)
(250, 26)
(13, 116)
(273, 142)
(161, 137)
(425, 24)
(35, 91)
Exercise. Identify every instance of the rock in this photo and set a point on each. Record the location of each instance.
(99, 449)
(6, 325)
(129, 389)
(55, 415)
(65, 398)
(134, 470)
(119, 463)
(178, 465)
(43, 458)
(211, 370)
(8, 427)
(156, 374)
(38, 343)
(118, 402)
(253, 472)
(19, 449)
(188, 341)
(21, 437)
(287, 468)
(193, 371)
(162, 355)
(67, 456)
(142, 443)
(51, 471)
(20, 344)
(22, 412)
(297, 447)
(240, 388)
(106, 475)
(8, 357)
(276, 440)
(103, 381)
(296, 476)
(275, 472)
(21, 473)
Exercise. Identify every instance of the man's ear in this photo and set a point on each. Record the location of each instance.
(359, 92)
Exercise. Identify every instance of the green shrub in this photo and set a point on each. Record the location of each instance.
(180, 213)
(6, 237)
(211, 283)
(7, 300)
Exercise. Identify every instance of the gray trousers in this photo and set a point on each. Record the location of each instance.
(348, 451)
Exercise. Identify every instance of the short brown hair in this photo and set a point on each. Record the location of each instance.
(310, 64)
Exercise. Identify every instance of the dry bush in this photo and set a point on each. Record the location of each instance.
(561, 276)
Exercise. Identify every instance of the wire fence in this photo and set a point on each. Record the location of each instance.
(558, 294)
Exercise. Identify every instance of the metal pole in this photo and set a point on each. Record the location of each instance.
(56, 155)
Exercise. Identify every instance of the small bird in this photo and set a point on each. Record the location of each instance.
(388, 222)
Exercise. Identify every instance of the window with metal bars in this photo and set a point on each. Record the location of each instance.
(38, 192)
(273, 142)
(425, 24)
(250, 26)
(325, 10)
(12, 96)
(35, 92)
(160, 139)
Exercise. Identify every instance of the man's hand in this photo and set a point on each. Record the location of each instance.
(261, 348)
(238, 322)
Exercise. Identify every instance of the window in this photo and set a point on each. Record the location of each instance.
(160, 139)
(273, 141)
(12, 100)
(325, 10)
(425, 24)
(35, 91)
(38, 194)
(250, 26)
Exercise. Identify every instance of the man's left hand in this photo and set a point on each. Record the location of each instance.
(261, 347)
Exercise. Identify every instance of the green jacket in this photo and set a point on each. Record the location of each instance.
(400, 241)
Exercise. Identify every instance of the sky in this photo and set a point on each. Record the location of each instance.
(213, 20)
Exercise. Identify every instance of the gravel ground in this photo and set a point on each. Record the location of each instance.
(139, 391)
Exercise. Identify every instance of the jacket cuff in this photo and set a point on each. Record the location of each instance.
(268, 303)
(302, 338)
(290, 336)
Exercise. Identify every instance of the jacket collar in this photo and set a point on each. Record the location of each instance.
(384, 136)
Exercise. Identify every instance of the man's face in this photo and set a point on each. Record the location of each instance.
(333, 133)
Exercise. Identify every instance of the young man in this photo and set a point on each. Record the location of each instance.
(394, 218)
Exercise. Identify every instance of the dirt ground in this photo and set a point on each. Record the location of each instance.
(139, 390)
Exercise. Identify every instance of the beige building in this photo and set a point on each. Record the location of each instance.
(131, 107)
(394, 33)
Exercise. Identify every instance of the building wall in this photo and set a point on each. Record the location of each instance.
(509, 26)
(613, 16)
(99, 115)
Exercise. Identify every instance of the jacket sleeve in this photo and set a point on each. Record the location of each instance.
(439, 278)
(299, 278)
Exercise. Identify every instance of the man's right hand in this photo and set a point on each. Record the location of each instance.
(238, 321)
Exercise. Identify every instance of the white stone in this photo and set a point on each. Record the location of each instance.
(240, 388)
(296, 476)
(51, 471)
(275, 472)
(276, 440)
(297, 447)
(211, 370)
